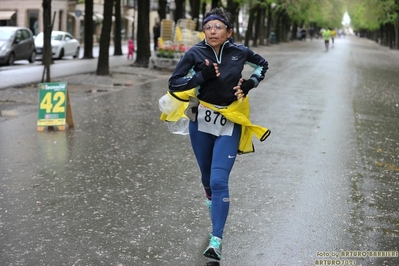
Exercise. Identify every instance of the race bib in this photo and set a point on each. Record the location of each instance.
(213, 122)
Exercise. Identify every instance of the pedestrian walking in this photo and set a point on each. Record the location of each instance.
(333, 34)
(156, 31)
(326, 36)
(211, 74)
(311, 33)
(130, 49)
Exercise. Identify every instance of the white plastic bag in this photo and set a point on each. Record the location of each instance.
(179, 127)
(168, 104)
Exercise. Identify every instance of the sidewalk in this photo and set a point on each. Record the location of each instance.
(19, 101)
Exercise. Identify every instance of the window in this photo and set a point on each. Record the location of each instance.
(33, 18)
(25, 35)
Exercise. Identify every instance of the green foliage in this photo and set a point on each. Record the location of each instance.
(370, 14)
(321, 12)
(391, 7)
(364, 14)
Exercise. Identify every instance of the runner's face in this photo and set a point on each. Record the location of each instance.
(216, 33)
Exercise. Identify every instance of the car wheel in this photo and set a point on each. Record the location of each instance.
(11, 59)
(61, 54)
(32, 57)
(77, 53)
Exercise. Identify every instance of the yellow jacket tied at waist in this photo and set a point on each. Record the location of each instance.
(238, 112)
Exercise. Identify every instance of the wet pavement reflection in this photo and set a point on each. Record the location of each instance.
(119, 189)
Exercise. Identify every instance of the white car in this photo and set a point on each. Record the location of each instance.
(62, 44)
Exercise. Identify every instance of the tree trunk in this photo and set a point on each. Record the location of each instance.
(277, 26)
(390, 33)
(248, 34)
(384, 40)
(393, 44)
(294, 31)
(256, 28)
(261, 25)
(105, 39)
(47, 54)
(180, 10)
(162, 9)
(396, 25)
(285, 26)
(233, 8)
(269, 24)
(88, 30)
(216, 3)
(203, 8)
(143, 43)
(195, 10)
(117, 29)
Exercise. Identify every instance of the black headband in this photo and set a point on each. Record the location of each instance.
(213, 17)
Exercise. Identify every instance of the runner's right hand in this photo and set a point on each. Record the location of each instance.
(210, 71)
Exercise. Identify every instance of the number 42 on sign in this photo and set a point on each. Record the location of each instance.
(54, 106)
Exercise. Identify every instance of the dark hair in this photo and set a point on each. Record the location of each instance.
(225, 16)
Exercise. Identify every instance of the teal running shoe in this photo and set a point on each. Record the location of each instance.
(208, 203)
(214, 250)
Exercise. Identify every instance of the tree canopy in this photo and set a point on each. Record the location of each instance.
(379, 18)
(370, 14)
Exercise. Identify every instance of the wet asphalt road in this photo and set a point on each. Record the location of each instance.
(119, 189)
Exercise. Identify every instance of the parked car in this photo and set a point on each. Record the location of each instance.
(62, 44)
(16, 43)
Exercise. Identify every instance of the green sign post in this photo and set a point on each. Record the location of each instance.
(54, 107)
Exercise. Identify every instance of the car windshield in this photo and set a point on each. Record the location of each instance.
(54, 36)
(6, 34)
(57, 37)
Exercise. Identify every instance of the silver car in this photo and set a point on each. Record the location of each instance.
(16, 43)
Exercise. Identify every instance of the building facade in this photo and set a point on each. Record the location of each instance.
(69, 16)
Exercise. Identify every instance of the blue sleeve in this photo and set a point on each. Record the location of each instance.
(259, 64)
(184, 77)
